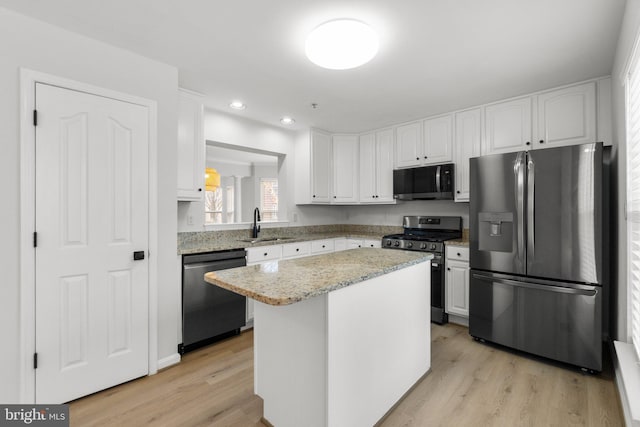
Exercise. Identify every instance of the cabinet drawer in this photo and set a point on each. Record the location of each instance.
(292, 250)
(264, 253)
(459, 253)
(370, 243)
(321, 246)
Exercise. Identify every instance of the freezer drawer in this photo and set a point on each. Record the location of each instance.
(552, 319)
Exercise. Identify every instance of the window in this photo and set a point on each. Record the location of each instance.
(269, 199)
(218, 205)
(633, 199)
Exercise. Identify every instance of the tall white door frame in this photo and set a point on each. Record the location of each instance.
(27, 321)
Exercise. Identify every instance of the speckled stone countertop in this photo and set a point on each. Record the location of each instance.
(209, 241)
(464, 241)
(288, 281)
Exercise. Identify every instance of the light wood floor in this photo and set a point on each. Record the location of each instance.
(471, 384)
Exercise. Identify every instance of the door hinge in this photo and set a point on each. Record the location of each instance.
(35, 239)
(35, 360)
(35, 117)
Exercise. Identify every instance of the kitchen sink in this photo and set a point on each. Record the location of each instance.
(265, 239)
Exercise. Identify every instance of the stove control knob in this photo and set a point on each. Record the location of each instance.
(388, 243)
(433, 246)
(409, 244)
(396, 243)
(423, 246)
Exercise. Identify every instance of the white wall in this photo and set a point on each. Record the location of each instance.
(628, 33)
(41, 47)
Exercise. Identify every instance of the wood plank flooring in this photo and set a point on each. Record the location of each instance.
(471, 384)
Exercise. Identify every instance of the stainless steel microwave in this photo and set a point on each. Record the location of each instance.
(424, 183)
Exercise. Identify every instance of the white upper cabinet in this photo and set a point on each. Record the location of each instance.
(438, 140)
(507, 126)
(191, 147)
(409, 145)
(345, 169)
(376, 167)
(468, 135)
(320, 167)
(567, 116)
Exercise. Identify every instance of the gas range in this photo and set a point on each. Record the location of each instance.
(427, 234)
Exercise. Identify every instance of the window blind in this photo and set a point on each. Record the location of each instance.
(633, 199)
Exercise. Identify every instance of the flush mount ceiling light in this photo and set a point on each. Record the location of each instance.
(341, 44)
(237, 105)
(286, 120)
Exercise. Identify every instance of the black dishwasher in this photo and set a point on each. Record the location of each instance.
(209, 312)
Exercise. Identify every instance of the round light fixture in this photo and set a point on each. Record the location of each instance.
(286, 120)
(341, 44)
(237, 105)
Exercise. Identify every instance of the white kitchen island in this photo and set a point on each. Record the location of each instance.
(338, 338)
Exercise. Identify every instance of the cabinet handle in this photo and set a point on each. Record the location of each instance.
(448, 269)
(458, 191)
(322, 246)
(199, 189)
(334, 197)
(265, 254)
(314, 195)
(425, 157)
(528, 143)
(297, 249)
(417, 158)
(458, 253)
(542, 141)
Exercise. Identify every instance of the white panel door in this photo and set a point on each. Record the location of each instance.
(457, 283)
(91, 215)
(467, 145)
(345, 169)
(320, 167)
(384, 166)
(438, 140)
(367, 184)
(409, 145)
(507, 127)
(567, 116)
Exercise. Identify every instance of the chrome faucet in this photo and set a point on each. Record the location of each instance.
(256, 228)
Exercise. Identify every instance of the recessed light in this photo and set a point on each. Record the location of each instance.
(342, 44)
(237, 105)
(286, 120)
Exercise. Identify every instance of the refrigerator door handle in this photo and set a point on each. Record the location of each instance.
(531, 193)
(438, 188)
(518, 170)
(591, 291)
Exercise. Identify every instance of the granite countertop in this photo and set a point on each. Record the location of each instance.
(288, 281)
(239, 243)
(457, 242)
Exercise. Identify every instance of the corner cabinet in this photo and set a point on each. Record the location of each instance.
(468, 135)
(191, 146)
(457, 283)
(376, 167)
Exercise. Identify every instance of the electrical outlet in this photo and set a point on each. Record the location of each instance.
(189, 219)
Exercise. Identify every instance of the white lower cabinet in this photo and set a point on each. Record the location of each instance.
(457, 281)
(340, 244)
(296, 250)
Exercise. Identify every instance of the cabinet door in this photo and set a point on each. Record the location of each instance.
(320, 167)
(467, 145)
(567, 116)
(507, 127)
(367, 168)
(345, 169)
(384, 166)
(191, 147)
(409, 145)
(457, 282)
(438, 140)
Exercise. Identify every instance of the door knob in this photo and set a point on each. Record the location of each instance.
(138, 255)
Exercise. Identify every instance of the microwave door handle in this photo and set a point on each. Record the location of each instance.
(438, 179)
(531, 192)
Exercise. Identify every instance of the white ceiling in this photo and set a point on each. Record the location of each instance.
(435, 55)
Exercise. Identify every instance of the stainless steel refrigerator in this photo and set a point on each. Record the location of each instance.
(536, 253)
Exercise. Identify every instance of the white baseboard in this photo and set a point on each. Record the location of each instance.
(165, 362)
(628, 381)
